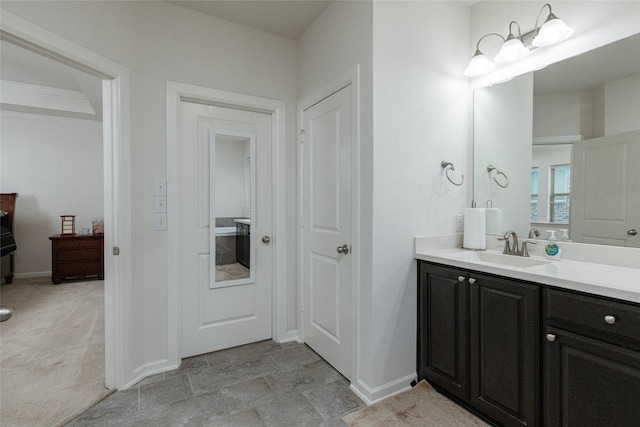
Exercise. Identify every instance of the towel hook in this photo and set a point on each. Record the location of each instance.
(498, 172)
(448, 166)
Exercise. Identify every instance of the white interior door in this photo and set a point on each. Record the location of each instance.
(605, 190)
(223, 313)
(327, 228)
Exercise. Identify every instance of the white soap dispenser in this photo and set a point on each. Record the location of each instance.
(551, 249)
(565, 234)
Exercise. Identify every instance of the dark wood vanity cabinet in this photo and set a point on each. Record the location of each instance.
(443, 328)
(478, 340)
(592, 361)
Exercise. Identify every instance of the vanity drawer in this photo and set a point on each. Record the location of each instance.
(583, 311)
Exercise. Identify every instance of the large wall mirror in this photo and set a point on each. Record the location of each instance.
(567, 137)
(231, 209)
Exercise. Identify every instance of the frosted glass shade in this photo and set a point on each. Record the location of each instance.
(479, 65)
(554, 30)
(511, 50)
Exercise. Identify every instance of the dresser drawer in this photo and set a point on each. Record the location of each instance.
(606, 316)
(80, 269)
(83, 254)
(78, 243)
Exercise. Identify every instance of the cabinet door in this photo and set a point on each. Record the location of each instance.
(504, 349)
(443, 352)
(589, 382)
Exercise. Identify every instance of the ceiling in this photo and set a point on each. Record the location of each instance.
(286, 18)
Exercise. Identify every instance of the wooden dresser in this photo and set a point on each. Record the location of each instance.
(76, 257)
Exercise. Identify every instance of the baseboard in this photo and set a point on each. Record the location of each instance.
(372, 395)
(32, 275)
(148, 370)
(290, 336)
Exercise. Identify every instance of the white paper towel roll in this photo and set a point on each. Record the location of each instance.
(475, 226)
(494, 220)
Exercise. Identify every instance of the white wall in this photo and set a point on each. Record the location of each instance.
(55, 166)
(502, 125)
(230, 177)
(562, 114)
(157, 42)
(421, 117)
(622, 105)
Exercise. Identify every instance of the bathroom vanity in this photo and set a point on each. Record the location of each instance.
(523, 345)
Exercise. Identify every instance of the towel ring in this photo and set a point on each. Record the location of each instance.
(448, 166)
(498, 172)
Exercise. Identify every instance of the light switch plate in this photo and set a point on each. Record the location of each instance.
(160, 187)
(160, 204)
(459, 222)
(160, 222)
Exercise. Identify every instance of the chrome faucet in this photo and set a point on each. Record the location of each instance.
(534, 233)
(508, 248)
(515, 249)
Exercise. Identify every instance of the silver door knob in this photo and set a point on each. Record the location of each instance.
(551, 337)
(266, 239)
(632, 232)
(344, 249)
(610, 319)
(460, 279)
(472, 280)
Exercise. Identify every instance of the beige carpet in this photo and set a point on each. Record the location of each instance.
(51, 351)
(421, 406)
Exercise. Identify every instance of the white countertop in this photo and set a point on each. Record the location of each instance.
(593, 278)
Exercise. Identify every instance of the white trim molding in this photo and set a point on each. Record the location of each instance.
(176, 93)
(45, 97)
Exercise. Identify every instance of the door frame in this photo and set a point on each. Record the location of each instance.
(177, 93)
(117, 172)
(350, 77)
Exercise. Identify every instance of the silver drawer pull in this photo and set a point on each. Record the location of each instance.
(551, 337)
(610, 319)
(460, 279)
(472, 280)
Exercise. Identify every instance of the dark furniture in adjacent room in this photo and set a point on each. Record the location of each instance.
(7, 240)
(76, 257)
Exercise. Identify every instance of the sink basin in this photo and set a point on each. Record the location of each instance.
(499, 259)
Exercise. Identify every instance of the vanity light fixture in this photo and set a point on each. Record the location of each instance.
(553, 30)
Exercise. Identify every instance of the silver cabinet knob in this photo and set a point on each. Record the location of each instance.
(610, 319)
(551, 337)
(460, 279)
(472, 280)
(632, 232)
(343, 249)
(266, 239)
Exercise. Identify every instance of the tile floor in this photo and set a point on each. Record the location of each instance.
(259, 384)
